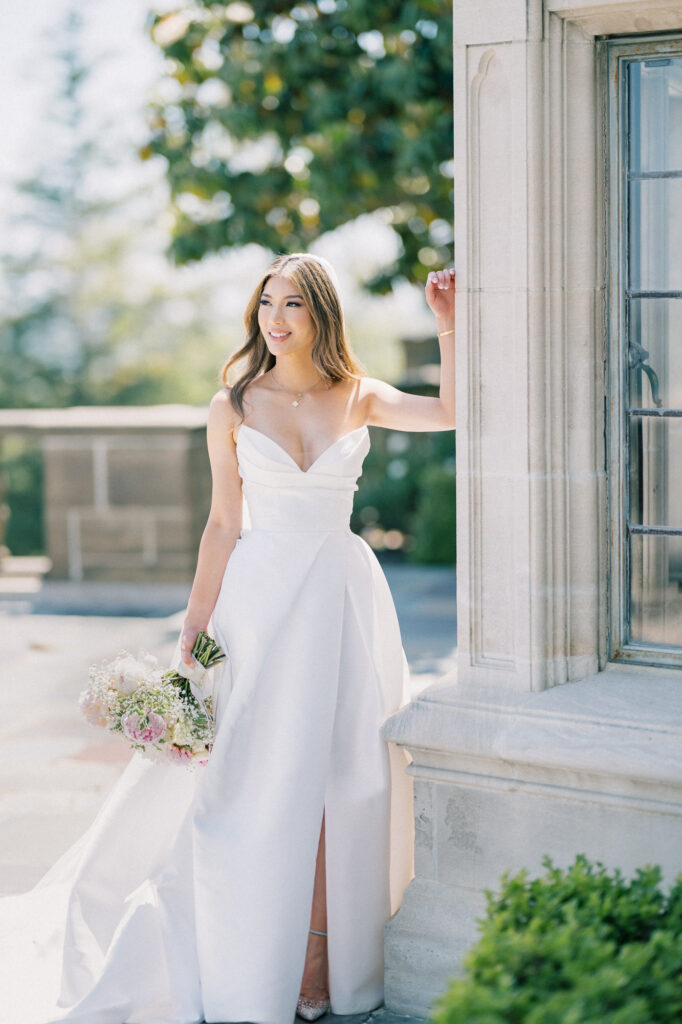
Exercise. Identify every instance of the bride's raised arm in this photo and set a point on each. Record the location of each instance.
(388, 406)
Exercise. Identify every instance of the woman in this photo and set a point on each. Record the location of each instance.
(259, 887)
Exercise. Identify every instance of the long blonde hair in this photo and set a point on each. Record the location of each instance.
(331, 353)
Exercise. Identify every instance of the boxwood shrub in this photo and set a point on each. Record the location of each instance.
(577, 946)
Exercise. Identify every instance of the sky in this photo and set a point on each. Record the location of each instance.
(127, 66)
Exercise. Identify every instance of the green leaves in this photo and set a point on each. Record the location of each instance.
(578, 946)
(322, 111)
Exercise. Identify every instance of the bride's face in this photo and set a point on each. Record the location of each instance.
(283, 317)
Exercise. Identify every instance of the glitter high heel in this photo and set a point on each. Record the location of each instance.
(312, 1009)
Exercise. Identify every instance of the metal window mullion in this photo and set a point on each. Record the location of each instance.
(618, 325)
(655, 531)
(668, 294)
(629, 250)
(660, 413)
(649, 175)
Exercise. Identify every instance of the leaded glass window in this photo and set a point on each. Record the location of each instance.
(645, 351)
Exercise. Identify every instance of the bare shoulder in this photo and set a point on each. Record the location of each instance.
(366, 390)
(345, 399)
(221, 404)
(371, 386)
(221, 413)
(373, 389)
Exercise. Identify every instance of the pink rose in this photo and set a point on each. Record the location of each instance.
(152, 731)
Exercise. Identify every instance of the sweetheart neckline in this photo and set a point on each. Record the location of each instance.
(290, 457)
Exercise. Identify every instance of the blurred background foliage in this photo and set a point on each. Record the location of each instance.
(285, 120)
(405, 505)
(75, 328)
(274, 127)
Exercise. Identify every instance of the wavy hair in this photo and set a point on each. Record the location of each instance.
(331, 353)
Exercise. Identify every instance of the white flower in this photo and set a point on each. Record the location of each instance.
(92, 708)
(182, 736)
(128, 675)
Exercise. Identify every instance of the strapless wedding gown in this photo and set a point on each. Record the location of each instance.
(189, 897)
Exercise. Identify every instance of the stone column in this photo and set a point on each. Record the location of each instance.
(530, 364)
(537, 746)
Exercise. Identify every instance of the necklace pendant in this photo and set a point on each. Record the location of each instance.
(295, 402)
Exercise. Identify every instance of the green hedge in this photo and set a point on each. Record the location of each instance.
(578, 946)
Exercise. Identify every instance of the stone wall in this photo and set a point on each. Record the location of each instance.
(127, 489)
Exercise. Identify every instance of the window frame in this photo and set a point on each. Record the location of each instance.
(617, 54)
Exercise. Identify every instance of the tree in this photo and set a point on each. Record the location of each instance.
(77, 326)
(289, 119)
(42, 345)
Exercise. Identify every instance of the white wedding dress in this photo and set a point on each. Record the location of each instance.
(189, 897)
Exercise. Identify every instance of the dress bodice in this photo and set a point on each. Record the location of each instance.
(281, 496)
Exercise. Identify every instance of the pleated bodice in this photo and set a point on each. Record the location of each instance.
(282, 497)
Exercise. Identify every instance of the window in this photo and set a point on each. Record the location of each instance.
(645, 349)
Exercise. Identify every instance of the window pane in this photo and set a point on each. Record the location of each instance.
(655, 471)
(656, 589)
(655, 142)
(655, 235)
(655, 355)
(645, 155)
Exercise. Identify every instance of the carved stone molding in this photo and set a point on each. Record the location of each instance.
(611, 17)
(491, 633)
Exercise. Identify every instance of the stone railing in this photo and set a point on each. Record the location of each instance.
(126, 489)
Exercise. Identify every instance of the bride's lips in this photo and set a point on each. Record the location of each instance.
(279, 335)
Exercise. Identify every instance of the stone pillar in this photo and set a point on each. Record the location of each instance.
(530, 364)
(537, 746)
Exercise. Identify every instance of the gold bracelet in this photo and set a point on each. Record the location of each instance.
(442, 334)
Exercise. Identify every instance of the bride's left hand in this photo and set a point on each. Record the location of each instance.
(440, 294)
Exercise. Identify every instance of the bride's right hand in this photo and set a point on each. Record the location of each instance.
(187, 639)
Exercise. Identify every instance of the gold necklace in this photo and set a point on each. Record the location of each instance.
(299, 394)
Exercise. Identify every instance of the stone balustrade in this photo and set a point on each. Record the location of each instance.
(126, 489)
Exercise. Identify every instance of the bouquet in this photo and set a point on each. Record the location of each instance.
(159, 712)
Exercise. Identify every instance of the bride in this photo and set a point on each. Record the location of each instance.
(259, 886)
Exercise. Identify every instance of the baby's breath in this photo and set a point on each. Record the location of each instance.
(125, 692)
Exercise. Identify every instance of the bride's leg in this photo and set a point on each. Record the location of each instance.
(315, 983)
